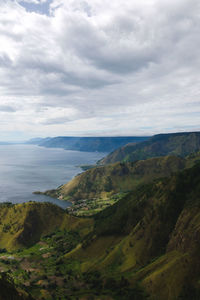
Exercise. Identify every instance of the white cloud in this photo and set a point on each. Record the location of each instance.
(102, 67)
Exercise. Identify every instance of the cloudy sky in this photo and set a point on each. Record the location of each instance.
(98, 67)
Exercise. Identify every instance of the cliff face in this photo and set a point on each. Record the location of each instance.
(180, 144)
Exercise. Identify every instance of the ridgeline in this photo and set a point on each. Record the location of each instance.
(179, 144)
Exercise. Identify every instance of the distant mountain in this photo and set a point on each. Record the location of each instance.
(89, 144)
(37, 141)
(180, 144)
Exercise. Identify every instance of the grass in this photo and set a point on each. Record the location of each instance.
(40, 266)
(45, 273)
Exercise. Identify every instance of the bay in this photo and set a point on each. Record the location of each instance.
(28, 168)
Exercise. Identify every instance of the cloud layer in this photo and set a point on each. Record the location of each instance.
(99, 67)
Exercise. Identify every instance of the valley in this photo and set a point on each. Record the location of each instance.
(132, 232)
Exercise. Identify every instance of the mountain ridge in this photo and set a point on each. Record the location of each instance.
(113, 180)
(89, 144)
(179, 144)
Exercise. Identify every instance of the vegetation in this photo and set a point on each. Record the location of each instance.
(136, 237)
(24, 224)
(92, 206)
(100, 187)
(145, 245)
(179, 144)
(102, 182)
(9, 291)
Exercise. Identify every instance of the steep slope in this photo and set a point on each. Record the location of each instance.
(151, 236)
(180, 144)
(102, 182)
(24, 224)
(175, 275)
(90, 144)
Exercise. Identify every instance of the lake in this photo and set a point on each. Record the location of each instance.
(28, 168)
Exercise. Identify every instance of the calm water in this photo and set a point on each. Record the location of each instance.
(28, 168)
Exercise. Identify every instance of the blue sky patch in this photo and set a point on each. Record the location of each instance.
(41, 8)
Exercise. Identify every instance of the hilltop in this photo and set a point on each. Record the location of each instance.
(179, 144)
(22, 225)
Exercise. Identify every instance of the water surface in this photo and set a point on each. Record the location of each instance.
(28, 168)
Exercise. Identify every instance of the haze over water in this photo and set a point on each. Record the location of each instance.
(28, 168)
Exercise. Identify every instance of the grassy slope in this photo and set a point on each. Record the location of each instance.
(24, 224)
(102, 182)
(151, 236)
(105, 181)
(180, 144)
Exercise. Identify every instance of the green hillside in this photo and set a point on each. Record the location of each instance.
(99, 187)
(151, 237)
(180, 144)
(103, 181)
(23, 225)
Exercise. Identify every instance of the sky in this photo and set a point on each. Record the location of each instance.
(98, 67)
